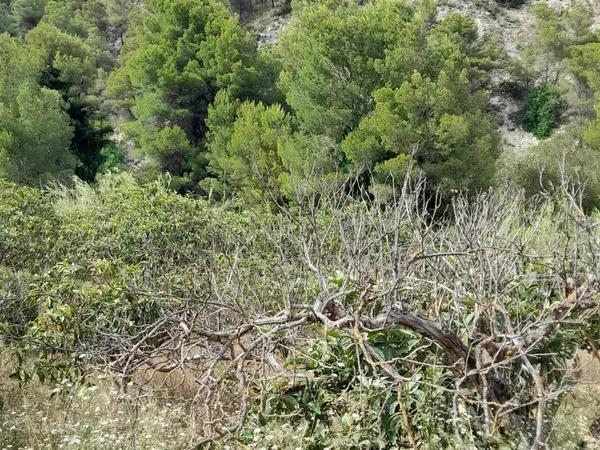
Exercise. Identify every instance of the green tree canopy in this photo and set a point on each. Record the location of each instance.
(554, 33)
(35, 131)
(332, 57)
(392, 85)
(8, 22)
(27, 13)
(86, 19)
(70, 66)
(245, 142)
(180, 55)
(35, 136)
(437, 124)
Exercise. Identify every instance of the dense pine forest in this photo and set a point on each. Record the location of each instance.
(305, 224)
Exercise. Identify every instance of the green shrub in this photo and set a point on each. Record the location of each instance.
(562, 158)
(105, 277)
(113, 158)
(541, 110)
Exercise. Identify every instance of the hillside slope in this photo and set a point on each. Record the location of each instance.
(509, 26)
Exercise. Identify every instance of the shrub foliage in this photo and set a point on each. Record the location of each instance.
(542, 106)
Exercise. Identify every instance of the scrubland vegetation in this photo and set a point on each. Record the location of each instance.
(313, 244)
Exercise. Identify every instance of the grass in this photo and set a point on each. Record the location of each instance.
(577, 411)
(94, 416)
(100, 416)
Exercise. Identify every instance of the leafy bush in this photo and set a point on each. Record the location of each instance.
(137, 278)
(113, 158)
(562, 158)
(345, 403)
(541, 110)
(80, 262)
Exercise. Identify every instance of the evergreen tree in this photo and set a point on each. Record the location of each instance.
(176, 60)
(394, 88)
(35, 131)
(27, 13)
(35, 136)
(70, 67)
(245, 142)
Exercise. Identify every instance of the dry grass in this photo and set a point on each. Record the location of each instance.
(95, 416)
(571, 425)
(101, 416)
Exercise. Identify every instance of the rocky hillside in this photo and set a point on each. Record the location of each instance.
(510, 26)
